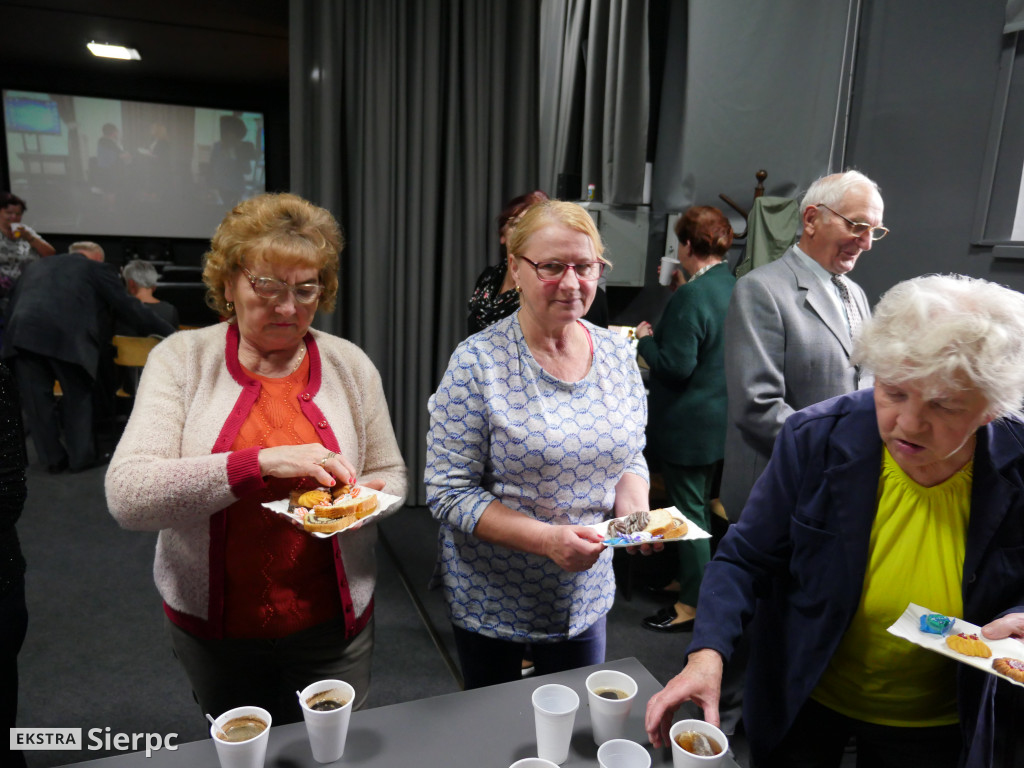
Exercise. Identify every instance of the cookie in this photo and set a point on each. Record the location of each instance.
(968, 645)
(1012, 668)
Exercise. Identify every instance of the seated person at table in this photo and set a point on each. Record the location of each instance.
(140, 279)
(910, 492)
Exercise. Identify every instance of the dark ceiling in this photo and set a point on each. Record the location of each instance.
(239, 42)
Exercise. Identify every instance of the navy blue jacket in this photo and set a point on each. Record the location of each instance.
(792, 569)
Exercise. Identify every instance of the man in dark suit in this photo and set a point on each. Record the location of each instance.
(788, 332)
(53, 333)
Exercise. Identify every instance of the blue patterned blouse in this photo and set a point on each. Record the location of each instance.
(503, 428)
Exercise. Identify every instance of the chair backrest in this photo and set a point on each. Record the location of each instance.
(132, 351)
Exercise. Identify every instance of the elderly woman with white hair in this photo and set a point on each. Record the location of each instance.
(908, 493)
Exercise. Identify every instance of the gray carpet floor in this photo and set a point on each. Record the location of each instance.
(96, 656)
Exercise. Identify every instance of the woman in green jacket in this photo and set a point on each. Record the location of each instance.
(686, 428)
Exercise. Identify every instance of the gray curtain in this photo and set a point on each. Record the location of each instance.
(413, 121)
(756, 85)
(595, 95)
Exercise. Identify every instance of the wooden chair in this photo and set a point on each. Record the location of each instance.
(132, 352)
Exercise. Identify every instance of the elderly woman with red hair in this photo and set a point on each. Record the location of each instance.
(240, 413)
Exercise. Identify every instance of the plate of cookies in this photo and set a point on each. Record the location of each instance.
(646, 526)
(325, 512)
(962, 641)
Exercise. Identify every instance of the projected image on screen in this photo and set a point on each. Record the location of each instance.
(112, 167)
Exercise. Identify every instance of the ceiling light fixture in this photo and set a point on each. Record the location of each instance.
(108, 51)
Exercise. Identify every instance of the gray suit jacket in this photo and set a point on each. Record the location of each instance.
(787, 346)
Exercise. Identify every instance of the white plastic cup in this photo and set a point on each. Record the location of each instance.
(668, 266)
(328, 730)
(533, 762)
(683, 759)
(242, 754)
(622, 753)
(554, 711)
(608, 716)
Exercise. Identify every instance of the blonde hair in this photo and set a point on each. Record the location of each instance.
(949, 331)
(549, 212)
(277, 228)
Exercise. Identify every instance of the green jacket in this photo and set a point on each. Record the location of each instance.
(687, 404)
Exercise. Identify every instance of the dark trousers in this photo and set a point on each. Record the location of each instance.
(819, 736)
(490, 660)
(35, 375)
(689, 490)
(236, 672)
(13, 625)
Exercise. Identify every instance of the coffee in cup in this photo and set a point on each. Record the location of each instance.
(325, 701)
(326, 710)
(611, 693)
(241, 728)
(700, 744)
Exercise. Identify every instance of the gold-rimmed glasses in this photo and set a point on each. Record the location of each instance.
(857, 228)
(272, 288)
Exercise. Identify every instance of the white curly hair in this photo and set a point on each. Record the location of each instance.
(948, 333)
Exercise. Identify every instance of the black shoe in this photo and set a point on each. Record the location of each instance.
(666, 620)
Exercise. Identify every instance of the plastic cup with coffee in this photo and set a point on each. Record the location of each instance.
(610, 695)
(554, 710)
(668, 266)
(621, 753)
(247, 730)
(702, 744)
(327, 709)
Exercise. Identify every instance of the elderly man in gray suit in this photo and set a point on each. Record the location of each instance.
(788, 338)
(790, 323)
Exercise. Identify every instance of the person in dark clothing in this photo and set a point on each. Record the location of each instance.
(54, 334)
(140, 279)
(13, 612)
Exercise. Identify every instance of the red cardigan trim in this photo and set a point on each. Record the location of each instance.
(244, 477)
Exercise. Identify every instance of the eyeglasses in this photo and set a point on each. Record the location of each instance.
(858, 228)
(552, 271)
(272, 288)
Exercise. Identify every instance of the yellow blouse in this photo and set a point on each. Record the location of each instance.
(916, 555)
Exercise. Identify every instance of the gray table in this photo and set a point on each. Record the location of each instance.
(486, 728)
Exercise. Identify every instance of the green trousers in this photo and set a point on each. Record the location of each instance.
(689, 490)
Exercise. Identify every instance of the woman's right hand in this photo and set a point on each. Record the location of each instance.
(305, 461)
(700, 682)
(573, 547)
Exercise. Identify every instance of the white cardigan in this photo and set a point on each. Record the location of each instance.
(173, 469)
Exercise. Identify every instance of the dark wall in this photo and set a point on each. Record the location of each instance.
(923, 98)
(120, 83)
